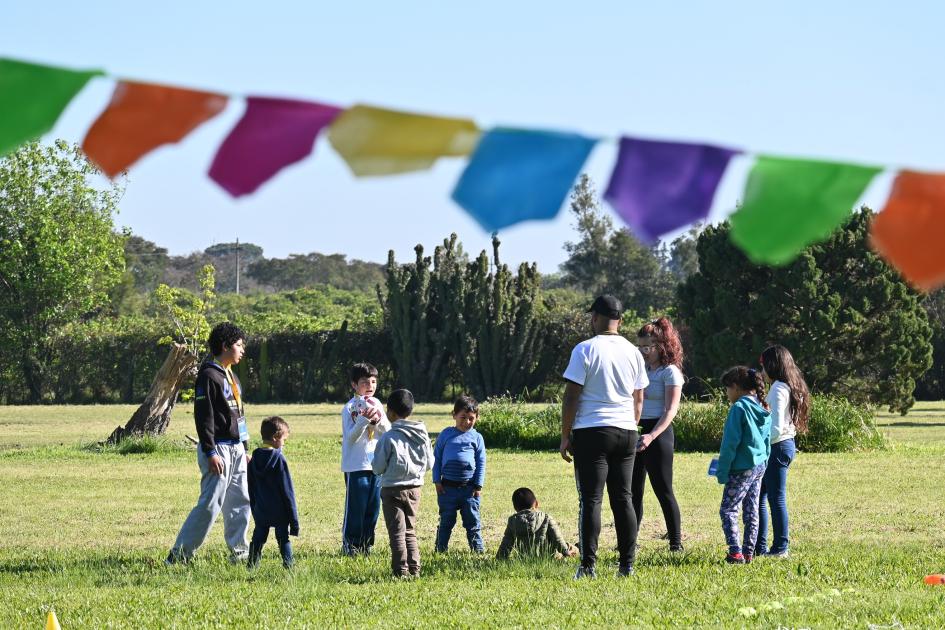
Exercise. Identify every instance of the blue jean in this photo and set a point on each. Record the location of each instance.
(463, 501)
(774, 489)
(362, 507)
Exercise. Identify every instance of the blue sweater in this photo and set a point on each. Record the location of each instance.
(744, 438)
(460, 456)
(271, 495)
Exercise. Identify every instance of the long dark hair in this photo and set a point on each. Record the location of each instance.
(779, 366)
(665, 340)
(748, 380)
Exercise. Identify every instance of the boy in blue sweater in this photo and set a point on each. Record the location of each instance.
(743, 458)
(271, 495)
(459, 470)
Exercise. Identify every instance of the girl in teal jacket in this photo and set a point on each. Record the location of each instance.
(742, 459)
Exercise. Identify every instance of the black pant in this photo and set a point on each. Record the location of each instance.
(261, 534)
(604, 455)
(657, 461)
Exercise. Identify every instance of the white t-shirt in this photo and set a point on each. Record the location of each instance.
(358, 436)
(610, 368)
(654, 399)
(779, 400)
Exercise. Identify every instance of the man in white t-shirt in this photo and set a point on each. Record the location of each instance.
(603, 400)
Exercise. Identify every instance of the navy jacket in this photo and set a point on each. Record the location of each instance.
(271, 495)
(216, 411)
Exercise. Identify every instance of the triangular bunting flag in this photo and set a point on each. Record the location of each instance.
(790, 204)
(659, 187)
(910, 231)
(517, 175)
(375, 141)
(142, 117)
(32, 98)
(273, 133)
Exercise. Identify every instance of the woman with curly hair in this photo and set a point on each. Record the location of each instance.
(662, 351)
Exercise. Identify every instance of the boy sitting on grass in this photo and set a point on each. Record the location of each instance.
(531, 531)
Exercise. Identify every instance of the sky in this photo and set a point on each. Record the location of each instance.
(853, 81)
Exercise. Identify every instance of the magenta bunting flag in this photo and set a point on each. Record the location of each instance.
(659, 187)
(272, 134)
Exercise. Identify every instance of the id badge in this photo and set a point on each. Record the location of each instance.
(244, 430)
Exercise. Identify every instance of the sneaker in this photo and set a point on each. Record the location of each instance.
(735, 558)
(676, 549)
(625, 571)
(175, 557)
(585, 572)
(748, 558)
(238, 557)
(779, 554)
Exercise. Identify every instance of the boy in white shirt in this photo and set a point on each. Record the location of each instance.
(362, 422)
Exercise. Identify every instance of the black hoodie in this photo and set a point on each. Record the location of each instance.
(271, 495)
(216, 411)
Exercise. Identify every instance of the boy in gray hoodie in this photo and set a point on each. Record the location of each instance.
(401, 458)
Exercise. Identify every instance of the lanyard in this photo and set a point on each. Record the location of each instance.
(234, 387)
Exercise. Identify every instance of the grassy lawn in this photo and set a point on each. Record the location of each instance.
(86, 533)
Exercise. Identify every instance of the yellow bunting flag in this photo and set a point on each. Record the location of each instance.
(51, 622)
(376, 141)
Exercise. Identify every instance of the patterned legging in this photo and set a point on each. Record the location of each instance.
(742, 489)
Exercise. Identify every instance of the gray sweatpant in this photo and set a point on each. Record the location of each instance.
(227, 493)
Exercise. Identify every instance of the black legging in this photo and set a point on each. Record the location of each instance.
(657, 460)
(604, 455)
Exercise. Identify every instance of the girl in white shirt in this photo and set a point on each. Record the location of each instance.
(789, 400)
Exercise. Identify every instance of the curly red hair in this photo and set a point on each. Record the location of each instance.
(665, 340)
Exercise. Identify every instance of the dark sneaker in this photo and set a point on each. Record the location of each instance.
(748, 558)
(625, 571)
(735, 558)
(585, 572)
(676, 548)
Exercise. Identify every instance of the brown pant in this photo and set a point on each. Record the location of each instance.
(401, 506)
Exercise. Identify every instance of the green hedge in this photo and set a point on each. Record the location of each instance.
(836, 425)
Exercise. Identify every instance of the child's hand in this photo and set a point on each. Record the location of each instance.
(439, 488)
(572, 551)
(477, 493)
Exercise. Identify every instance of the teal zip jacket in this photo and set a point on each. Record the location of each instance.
(744, 438)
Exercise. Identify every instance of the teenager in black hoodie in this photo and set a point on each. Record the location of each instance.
(271, 494)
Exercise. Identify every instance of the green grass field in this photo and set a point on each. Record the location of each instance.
(86, 532)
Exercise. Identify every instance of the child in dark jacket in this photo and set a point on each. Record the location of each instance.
(271, 495)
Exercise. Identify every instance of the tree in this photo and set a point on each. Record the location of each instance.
(854, 327)
(188, 313)
(606, 260)
(493, 320)
(932, 384)
(59, 252)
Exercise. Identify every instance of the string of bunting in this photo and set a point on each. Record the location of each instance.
(512, 175)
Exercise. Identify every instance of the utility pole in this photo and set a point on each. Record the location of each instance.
(237, 265)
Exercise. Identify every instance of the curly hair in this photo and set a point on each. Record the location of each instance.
(223, 336)
(665, 340)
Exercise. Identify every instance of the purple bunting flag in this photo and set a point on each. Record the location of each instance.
(659, 187)
(272, 134)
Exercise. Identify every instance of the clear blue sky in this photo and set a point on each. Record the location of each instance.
(859, 81)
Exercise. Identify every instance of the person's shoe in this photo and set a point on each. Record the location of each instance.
(585, 572)
(748, 558)
(676, 548)
(735, 558)
(779, 554)
(238, 557)
(625, 571)
(175, 557)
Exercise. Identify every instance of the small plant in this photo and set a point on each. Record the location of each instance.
(838, 425)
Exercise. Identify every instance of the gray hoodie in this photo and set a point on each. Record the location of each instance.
(403, 454)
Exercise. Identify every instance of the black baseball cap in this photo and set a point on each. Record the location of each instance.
(608, 306)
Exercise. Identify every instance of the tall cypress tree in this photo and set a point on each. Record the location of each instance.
(854, 327)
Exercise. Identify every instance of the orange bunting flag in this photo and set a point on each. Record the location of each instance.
(143, 116)
(910, 231)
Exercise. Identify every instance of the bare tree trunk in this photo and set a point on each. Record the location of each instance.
(154, 414)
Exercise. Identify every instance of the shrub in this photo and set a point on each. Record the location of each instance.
(506, 422)
(836, 425)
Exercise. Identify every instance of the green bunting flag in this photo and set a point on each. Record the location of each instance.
(789, 204)
(32, 97)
